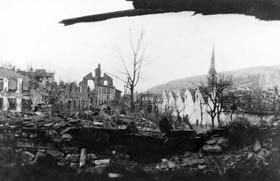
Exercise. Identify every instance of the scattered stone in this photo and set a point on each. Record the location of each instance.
(91, 156)
(25, 144)
(27, 157)
(257, 146)
(54, 153)
(263, 153)
(171, 165)
(59, 124)
(211, 142)
(48, 124)
(250, 155)
(223, 142)
(102, 162)
(33, 136)
(164, 160)
(201, 167)
(212, 149)
(74, 165)
(114, 175)
(39, 114)
(66, 137)
(66, 130)
(24, 135)
(200, 154)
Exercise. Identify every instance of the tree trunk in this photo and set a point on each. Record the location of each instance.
(213, 121)
(201, 119)
(231, 114)
(219, 119)
(132, 108)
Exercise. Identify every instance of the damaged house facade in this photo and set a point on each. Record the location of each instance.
(91, 92)
(99, 90)
(69, 98)
(15, 91)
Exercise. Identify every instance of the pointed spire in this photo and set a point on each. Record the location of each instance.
(212, 69)
(213, 58)
(212, 74)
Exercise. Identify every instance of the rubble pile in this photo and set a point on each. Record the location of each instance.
(92, 146)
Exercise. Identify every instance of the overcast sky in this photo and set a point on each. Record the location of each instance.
(179, 44)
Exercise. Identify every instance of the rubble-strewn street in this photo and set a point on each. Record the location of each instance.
(76, 148)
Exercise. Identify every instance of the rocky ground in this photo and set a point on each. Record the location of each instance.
(39, 147)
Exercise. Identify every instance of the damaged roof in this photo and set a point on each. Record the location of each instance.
(12, 74)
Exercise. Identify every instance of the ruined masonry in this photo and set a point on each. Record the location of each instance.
(15, 93)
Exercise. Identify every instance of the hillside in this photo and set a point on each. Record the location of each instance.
(263, 76)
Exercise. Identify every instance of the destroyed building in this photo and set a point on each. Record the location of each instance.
(91, 92)
(69, 98)
(99, 90)
(15, 91)
(42, 85)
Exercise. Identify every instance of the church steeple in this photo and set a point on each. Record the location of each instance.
(212, 74)
(212, 69)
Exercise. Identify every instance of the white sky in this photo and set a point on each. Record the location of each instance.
(179, 45)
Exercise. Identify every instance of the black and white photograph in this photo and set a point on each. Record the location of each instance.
(139, 90)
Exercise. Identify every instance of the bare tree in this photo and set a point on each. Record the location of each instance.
(231, 104)
(214, 95)
(276, 102)
(132, 66)
(222, 85)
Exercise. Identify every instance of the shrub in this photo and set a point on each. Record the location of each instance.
(242, 133)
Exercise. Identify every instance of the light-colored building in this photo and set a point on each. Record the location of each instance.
(14, 91)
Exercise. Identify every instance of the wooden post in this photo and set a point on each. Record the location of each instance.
(83, 157)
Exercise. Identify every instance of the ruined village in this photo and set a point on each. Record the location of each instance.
(217, 126)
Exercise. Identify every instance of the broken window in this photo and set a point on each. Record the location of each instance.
(69, 104)
(1, 84)
(12, 85)
(1, 103)
(12, 103)
(26, 104)
(106, 82)
(91, 85)
(25, 85)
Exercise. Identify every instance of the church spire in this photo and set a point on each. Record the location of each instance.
(212, 74)
(212, 69)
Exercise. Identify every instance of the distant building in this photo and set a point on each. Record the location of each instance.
(99, 89)
(14, 91)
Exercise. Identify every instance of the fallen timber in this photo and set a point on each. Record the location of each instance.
(261, 9)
